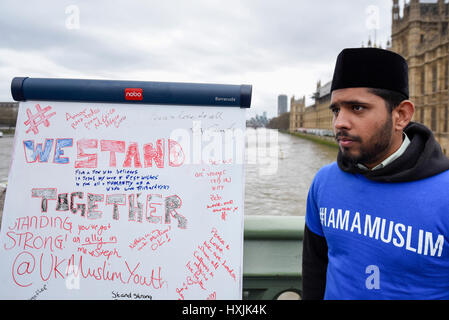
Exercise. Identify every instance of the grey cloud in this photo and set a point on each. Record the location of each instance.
(200, 37)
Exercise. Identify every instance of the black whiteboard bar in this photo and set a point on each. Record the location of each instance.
(143, 92)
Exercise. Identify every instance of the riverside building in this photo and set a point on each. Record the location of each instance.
(420, 34)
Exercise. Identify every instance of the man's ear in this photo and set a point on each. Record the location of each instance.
(403, 114)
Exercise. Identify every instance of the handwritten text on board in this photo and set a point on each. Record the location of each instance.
(104, 202)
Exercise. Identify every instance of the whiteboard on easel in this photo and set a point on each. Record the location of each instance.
(124, 201)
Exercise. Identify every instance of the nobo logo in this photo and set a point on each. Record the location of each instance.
(133, 94)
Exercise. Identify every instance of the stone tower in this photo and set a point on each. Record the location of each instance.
(421, 36)
(297, 107)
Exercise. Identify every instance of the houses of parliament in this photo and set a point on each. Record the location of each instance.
(421, 36)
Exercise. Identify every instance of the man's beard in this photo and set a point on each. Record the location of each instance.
(371, 151)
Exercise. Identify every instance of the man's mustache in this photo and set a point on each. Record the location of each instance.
(344, 134)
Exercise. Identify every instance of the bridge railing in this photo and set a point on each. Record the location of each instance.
(272, 256)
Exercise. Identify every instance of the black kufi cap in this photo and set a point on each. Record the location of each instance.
(371, 68)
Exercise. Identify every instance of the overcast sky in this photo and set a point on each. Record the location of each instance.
(277, 46)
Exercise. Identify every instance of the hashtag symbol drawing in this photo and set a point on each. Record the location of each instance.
(35, 120)
(323, 215)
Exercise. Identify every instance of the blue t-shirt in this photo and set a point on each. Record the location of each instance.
(385, 240)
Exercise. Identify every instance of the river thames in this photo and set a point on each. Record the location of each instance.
(279, 191)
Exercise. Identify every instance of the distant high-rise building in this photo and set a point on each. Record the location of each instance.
(282, 104)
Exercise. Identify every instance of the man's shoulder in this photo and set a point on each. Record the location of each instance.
(332, 171)
(326, 174)
(443, 174)
(439, 178)
(324, 171)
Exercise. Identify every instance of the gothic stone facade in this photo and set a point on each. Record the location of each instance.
(420, 34)
(315, 116)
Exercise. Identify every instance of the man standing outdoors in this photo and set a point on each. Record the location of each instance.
(377, 221)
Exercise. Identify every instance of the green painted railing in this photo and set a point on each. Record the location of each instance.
(272, 256)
